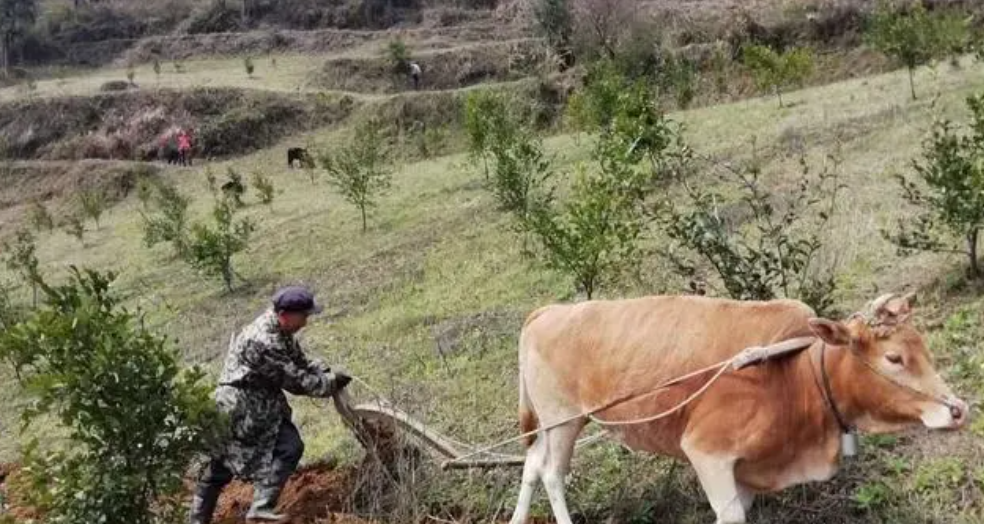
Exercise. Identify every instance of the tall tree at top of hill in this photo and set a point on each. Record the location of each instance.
(15, 18)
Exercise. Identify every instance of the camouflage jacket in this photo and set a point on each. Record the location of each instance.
(262, 362)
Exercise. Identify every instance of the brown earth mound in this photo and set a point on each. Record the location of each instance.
(315, 494)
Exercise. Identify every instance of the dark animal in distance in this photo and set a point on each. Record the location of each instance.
(301, 155)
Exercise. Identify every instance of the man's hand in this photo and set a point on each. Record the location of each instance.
(342, 379)
(320, 365)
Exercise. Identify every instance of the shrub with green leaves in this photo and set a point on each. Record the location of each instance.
(211, 249)
(761, 246)
(92, 203)
(489, 120)
(135, 419)
(264, 188)
(510, 151)
(678, 77)
(21, 257)
(591, 236)
(399, 56)
(360, 170)
(168, 222)
(594, 233)
(40, 218)
(914, 36)
(595, 105)
(778, 71)
(950, 197)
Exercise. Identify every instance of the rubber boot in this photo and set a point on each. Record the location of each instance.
(203, 504)
(264, 504)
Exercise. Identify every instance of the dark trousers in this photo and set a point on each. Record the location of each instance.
(215, 476)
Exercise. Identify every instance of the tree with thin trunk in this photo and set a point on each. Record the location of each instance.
(951, 197)
(360, 171)
(16, 16)
(915, 37)
(211, 249)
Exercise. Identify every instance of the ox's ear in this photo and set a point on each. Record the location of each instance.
(832, 332)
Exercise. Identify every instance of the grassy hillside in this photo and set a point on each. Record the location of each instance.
(427, 304)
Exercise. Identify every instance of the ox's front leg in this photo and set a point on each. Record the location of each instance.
(717, 476)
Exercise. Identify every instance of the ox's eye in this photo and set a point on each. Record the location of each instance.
(894, 358)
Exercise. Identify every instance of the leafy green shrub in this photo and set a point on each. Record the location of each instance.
(169, 222)
(510, 151)
(92, 203)
(264, 188)
(21, 258)
(951, 196)
(596, 104)
(359, 171)
(775, 253)
(399, 56)
(777, 71)
(211, 249)
(594, 233)
(915, 37)
(135, 419)
(678, 77)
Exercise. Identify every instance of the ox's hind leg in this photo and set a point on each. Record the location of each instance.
(561, 441)
(717, 477)
(535, 461)
(548, 460)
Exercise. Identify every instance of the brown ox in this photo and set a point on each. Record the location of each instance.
(757, 430)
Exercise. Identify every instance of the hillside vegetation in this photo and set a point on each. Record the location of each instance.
(426, 304)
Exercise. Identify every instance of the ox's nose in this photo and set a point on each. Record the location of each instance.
(959, 411)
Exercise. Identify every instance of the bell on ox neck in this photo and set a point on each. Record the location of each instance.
(849, 444)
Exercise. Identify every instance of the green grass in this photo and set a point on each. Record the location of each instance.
(427, 304)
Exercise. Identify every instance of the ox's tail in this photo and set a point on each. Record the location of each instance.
(528, 421)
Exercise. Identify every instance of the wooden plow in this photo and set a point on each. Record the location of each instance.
(372, 423)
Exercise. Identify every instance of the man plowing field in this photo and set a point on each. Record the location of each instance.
(264, 446)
